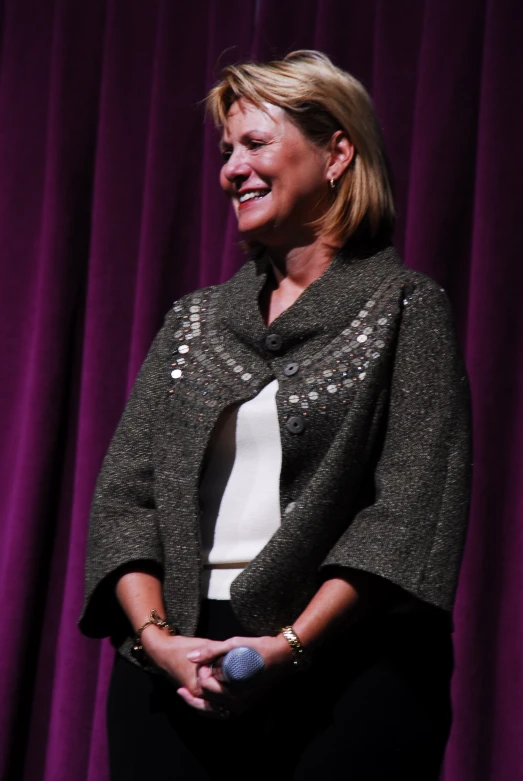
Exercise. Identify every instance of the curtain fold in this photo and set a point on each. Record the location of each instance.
(486, 739)
(110, 208)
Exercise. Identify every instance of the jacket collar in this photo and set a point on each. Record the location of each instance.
(322, 310)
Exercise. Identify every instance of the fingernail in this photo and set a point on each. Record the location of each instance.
(193, 655)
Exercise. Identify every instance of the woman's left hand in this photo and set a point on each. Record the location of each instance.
(219, 698)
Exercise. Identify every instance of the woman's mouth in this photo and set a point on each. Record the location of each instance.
(250, 196)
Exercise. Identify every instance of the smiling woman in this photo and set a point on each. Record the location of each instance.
(324, 104)
(291, 473)
(275, 176)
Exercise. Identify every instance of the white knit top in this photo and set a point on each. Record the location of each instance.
(239, 490)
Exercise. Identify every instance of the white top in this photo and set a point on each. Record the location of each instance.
(240, 490)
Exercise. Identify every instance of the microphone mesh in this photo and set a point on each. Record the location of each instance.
(241, 664)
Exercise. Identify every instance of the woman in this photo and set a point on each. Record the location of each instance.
(291, 473)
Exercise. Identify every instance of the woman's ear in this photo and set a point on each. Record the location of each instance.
(341, 154)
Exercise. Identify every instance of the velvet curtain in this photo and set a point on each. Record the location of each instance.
(110, 208)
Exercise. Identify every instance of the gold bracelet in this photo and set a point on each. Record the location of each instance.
(301, 658)
(155, 619)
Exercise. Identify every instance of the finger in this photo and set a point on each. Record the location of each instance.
(213, 689)
(212, 686)
(207, 653)
(205, 671)
(204, 674)
(217, 711)
(195, 702)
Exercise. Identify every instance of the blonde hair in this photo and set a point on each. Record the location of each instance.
(321, 99)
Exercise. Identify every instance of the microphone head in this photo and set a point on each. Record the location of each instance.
(242, 665)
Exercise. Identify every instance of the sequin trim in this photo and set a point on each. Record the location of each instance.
(334, 372)
(199, 355)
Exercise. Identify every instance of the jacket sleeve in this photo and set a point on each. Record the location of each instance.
(413, 533)
(123, 520)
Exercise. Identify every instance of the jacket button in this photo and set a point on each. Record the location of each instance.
(273, 342)
(291, 368)
(295, 424)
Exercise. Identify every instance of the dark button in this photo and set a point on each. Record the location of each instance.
(296, 424)
(273, 342)
(291, 368)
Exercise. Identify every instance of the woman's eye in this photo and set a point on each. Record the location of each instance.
(255, 144)
(226, 156)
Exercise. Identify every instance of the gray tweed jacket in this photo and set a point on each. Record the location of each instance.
(373, 405)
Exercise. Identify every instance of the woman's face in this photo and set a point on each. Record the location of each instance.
(276, 178)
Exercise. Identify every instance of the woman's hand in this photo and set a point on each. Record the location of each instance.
(218, 698)
(169, 653)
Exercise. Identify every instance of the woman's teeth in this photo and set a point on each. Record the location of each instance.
(251, 195)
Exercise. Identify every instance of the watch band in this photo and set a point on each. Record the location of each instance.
(301, 659)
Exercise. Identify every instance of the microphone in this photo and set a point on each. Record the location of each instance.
(240, 666)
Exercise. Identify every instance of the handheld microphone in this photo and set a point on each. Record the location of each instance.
(240, 666)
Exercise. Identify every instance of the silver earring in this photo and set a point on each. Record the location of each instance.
(332, 184)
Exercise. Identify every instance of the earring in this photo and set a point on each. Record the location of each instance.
(332, 184)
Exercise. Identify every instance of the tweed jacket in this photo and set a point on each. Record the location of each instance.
(373, 407)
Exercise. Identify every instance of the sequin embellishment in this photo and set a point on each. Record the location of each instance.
(334, 371)
(202, 372)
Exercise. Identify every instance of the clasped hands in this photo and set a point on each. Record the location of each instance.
(188, 662)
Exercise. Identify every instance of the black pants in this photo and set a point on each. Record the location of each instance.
(375, 706)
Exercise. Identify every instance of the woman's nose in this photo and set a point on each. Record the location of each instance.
(236, 167)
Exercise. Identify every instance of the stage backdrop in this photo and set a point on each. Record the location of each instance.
(110, 208)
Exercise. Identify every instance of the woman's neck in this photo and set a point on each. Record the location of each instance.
(294, 269)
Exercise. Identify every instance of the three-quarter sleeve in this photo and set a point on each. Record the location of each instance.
(413, 533)
(123, 520)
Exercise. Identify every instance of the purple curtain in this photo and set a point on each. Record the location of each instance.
(110, 208)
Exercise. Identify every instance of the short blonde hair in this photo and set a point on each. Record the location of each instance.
(321, 99)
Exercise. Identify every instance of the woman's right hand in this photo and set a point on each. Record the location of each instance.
(169, 653)
(139, 590)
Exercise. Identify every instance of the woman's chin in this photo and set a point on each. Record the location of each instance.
(257, 233)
